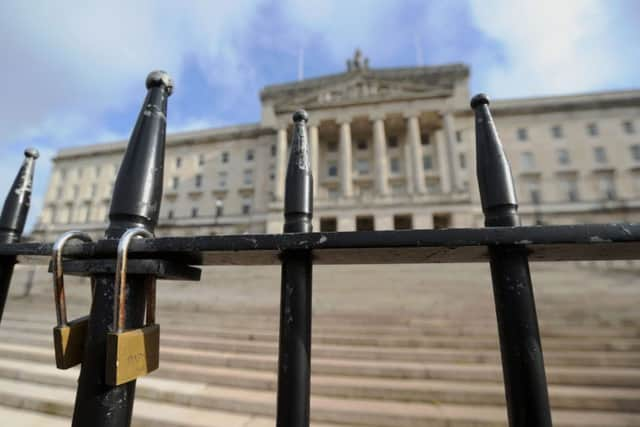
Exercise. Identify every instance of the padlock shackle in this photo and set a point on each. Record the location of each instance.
(121, 275)
(58, 274)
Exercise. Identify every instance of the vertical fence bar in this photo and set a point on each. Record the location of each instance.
(136, 203)
(294, 358)
(13, 218)
(522, 360)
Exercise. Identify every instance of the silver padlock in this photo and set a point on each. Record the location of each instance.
(68, 336)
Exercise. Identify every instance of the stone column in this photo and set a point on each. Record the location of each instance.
(450, 136)
(281, 163)
(443, 161)
(345, 164)
(314, 143)
(408, 165)
(413, 138)
(380, 157)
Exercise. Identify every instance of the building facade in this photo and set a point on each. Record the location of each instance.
(391, 149)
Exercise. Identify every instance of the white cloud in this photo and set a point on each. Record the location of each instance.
(549, 46)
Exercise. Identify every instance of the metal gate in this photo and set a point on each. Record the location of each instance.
(507, 246)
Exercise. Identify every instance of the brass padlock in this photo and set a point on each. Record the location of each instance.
(68, 337)
(134, 353)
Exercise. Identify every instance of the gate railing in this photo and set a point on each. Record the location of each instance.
(503, 243)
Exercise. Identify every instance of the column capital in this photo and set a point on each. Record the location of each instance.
(376, 115)
(344, 120)
(313, 122)
(411, 115)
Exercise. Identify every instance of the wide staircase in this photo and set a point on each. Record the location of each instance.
(400, 367)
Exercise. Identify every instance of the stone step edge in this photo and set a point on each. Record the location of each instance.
(571, 398)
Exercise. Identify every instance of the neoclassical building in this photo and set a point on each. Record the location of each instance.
(391, 149)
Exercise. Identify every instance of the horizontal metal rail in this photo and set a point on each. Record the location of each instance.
(544, 243)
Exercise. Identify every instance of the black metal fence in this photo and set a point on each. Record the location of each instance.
(504, 243)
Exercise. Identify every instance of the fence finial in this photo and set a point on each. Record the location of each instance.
(298, 199)
(497, 191)
(138, 188)
(16, 205)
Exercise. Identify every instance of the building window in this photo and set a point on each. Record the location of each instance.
(425, 139)
(332, 146)
(557, 132)
(607, 186)
(427, 162)
(433, 186)
(600, 155)
(533, 190)
(628, 127)
(635, 152)
(87, 214)
(63, 173)
(569, 189)
(60, 192)
(76, 191)
(225, 157)
(394, 165)
(219, 208)
(332, 168)
(458, 136)
(527, 160)
(248, 177)
(170, 214)
(333, 193)
(175, 181)
(563, 156)
(402, 222)
(462, 160)
(222, 179)
(98, 170)
(201, 159)
(274, 150)
(362, 145)
(198, 181)
(392, 142)
(178, 162)
(94, 190)
(328, 224)
(523, 134)
(364, 223)
(441, 220)
(194, 212)
(246, 206)
(397, 188)
(250, 155)
(592, 129)
(362, 166)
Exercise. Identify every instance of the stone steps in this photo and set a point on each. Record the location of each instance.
(177, 336)
(193, 401)
(369, 369)
(340, 326)
(562, 397)
(576, 376)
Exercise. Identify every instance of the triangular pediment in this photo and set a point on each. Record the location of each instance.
(362, 89)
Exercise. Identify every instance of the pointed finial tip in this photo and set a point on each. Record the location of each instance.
(31, 152)
(158, 78)
(300, 116)
(479, 99)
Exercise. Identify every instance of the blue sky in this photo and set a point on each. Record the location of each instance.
(73, 71)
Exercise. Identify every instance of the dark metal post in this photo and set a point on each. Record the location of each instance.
(135, 203)
(13, 218)
(294, 359)
(522, 361)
